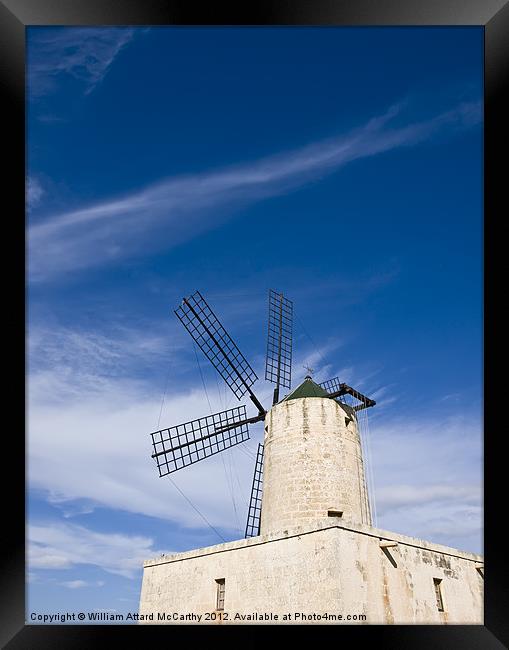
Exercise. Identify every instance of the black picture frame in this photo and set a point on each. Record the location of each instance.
(15, 16)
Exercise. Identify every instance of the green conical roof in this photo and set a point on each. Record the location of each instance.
(308, 388)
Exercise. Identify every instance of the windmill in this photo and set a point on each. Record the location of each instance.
(188, 443)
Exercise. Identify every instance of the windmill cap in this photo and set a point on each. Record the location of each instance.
(308, 388)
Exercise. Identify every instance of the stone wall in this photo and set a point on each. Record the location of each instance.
(339, 570)
(312, 463)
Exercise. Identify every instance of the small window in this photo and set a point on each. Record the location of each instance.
(437, 582)
(332, 512)
(220, 593)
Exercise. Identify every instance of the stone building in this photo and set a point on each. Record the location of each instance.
(318, 558)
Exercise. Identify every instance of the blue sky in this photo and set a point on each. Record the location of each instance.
(342, 166)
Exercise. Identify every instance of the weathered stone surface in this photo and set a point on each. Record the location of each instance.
(312, 463)
(317, 569)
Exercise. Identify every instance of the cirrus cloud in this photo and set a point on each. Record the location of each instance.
(83, 53)
(172, 211)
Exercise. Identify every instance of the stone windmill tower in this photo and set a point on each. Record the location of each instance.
(313, 462)
(311, 553)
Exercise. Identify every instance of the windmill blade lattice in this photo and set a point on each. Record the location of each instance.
(218, 346)
(278, 364)
(339, 390)
(188, 443)
(255, 504)
(331, 385)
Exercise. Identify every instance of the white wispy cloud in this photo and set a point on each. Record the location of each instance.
(34, 192)
(316, 359)
(383, 390)
(176, 209)
(71, 509)
(95, 447)
(399, 496)
(63, 546)
(452, 397)
(428, 476)
(84, 53)
(79, 584)
(108, 352)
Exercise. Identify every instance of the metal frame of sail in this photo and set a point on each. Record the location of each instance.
(255, 503)
(185, 444)
(233, 367)
(278, 363)
(335, 388)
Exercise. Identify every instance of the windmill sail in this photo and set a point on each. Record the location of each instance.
(218, 346)
(338, 390)
(278, 365)
(255, 504)
(188, 443)
(331, 385)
